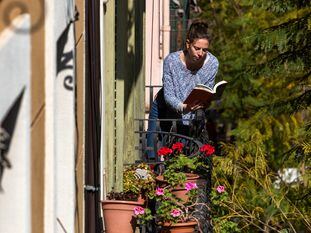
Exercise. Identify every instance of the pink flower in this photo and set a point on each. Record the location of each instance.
(220, 188)
(164, 151)
(159, 191)
(176, 213)
(138, 210)
(207, 149)
(190, 185)
(177, 146)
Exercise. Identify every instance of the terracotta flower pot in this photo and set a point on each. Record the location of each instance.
(180, 190)
(118, 216)
(187, 227)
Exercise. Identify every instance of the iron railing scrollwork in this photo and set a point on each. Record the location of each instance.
(197, 137)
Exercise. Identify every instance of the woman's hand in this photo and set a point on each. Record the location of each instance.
(190, 108)
(197, 106)
(186, 108)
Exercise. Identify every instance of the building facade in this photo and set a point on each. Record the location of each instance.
(73, 82)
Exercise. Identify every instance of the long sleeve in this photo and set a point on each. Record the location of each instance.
(169, 87)
(210, 80)
(178, 81)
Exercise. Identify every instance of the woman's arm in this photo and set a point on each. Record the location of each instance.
(168, 87)
(212, 72)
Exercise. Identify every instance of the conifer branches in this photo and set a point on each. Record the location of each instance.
(265, 54)
(281, 6)
(292, 105)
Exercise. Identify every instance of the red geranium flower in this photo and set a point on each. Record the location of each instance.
(207, 149)
(164, 151)
(151, 166)
(178, 146)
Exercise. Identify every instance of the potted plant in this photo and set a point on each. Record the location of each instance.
(178, 193)
(181, 168)
(138, 186)
(172, 214)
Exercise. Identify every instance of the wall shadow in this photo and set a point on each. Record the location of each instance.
(129, 67)
(7, 128)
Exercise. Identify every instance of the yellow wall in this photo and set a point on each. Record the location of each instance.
(124, 85)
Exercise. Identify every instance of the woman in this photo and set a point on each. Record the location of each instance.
(182, 71)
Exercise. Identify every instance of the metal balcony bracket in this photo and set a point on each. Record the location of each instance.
(90, 188)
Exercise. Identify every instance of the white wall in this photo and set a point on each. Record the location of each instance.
(157, 42)
(15, 75)
(60, 119)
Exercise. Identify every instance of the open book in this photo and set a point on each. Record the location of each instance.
(205, 94)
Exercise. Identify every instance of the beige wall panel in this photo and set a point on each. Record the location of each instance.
(79, 33)
(37, 40)
(37, 176)
(38, 114)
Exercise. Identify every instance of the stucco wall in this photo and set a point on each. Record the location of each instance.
(39, 54)
(60, 117)
(15, 199)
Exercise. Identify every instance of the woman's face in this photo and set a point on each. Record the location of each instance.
(197, 50)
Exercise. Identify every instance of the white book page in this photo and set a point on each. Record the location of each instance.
(202, 86)
(213, 90)
(218, 84)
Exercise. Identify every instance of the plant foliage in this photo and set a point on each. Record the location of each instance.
(264, 49)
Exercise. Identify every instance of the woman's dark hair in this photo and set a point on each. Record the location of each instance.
(198, 30)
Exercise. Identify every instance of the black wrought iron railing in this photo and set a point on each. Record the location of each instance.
(160, 138)
(152, 89)
(196, 137)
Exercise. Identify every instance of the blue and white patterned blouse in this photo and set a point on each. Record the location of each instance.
(178, 81)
